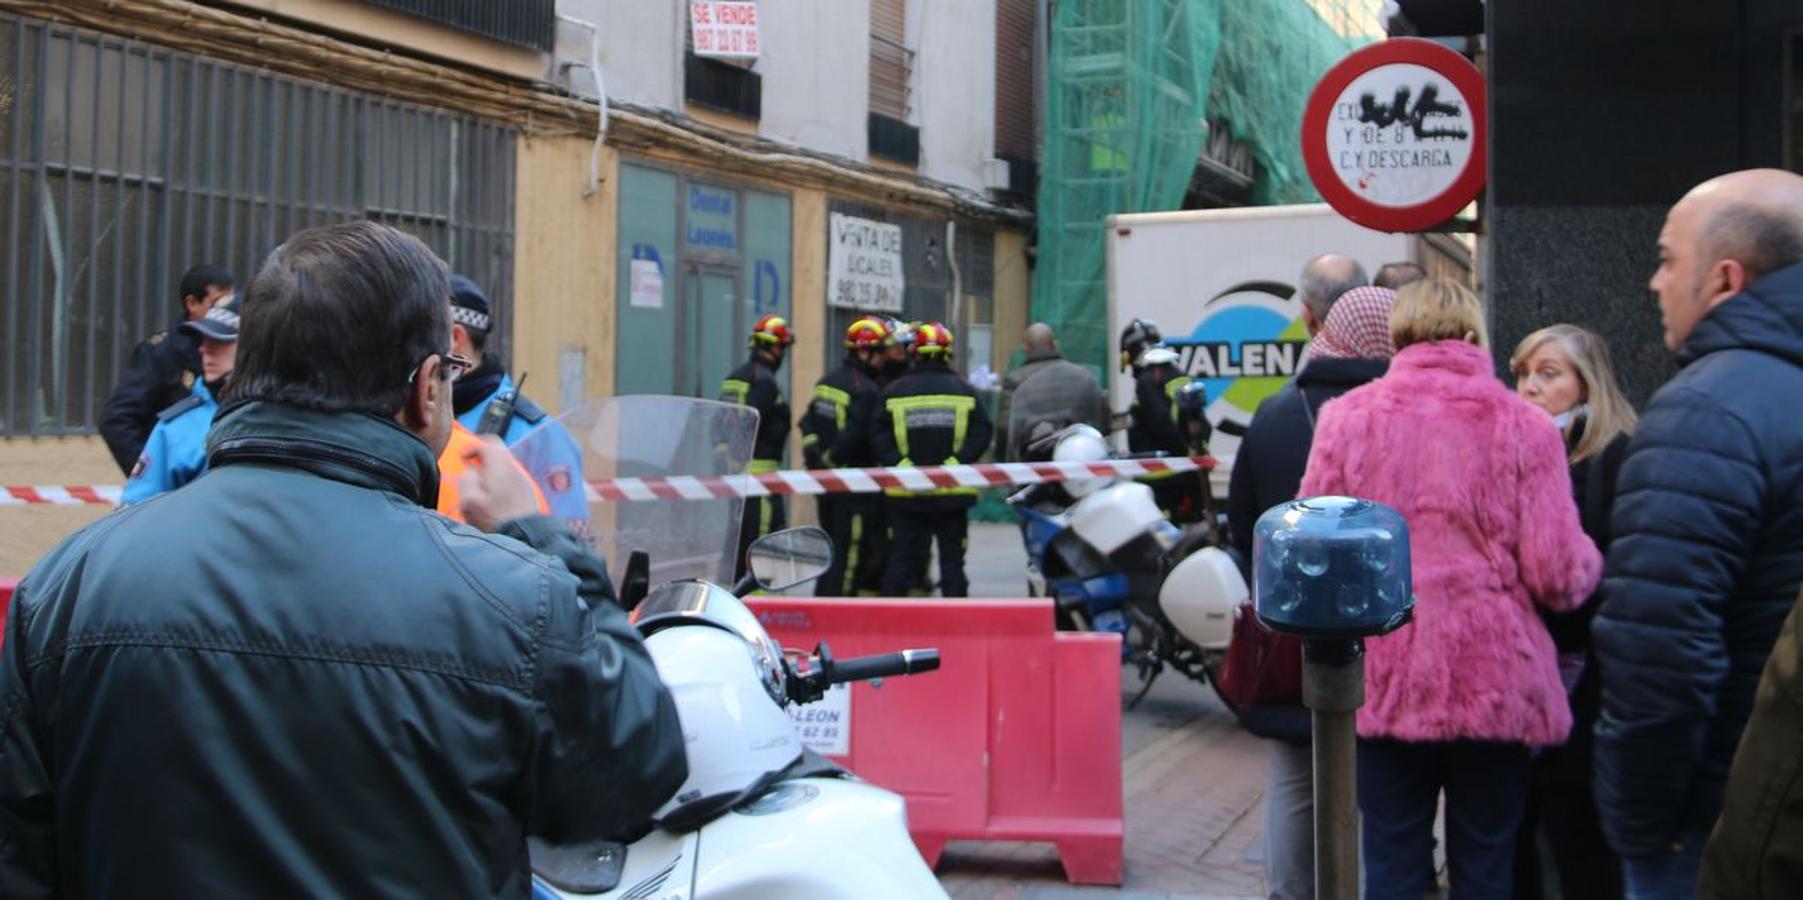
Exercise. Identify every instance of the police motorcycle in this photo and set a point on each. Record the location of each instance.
(1104, 552)
(760, 815)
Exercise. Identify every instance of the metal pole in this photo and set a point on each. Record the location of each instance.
(1333, 688)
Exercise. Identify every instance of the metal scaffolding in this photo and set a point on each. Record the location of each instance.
(1131, 86)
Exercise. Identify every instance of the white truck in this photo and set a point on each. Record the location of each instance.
(1221, 284)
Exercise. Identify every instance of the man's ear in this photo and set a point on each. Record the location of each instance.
(1726, 278)
(422, 396)
(1310, 321)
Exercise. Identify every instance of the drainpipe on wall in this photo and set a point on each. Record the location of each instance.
(951, 258)
(594, 67)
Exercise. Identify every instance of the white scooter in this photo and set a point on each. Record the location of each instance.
(759, 816)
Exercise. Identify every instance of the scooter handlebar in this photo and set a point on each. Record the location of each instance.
(883, 665)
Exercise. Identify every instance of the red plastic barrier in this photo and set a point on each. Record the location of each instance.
(1017, 737)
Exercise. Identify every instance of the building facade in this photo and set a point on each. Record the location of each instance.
(631, 205)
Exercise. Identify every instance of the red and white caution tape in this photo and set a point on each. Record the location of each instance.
(810, 481)
(870, 481)
(61, 495)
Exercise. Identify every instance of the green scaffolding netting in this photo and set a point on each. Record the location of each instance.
(1131, 86)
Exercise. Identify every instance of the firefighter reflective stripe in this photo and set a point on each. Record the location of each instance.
(840, 400)
(1170, 393)
(851, 550)
(732, 390)
(958, 405)
(766, 505)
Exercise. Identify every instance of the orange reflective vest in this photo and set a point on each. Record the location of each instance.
(453, 462)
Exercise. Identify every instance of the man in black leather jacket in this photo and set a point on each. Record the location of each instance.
(292, 678)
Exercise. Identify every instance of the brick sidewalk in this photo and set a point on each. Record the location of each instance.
(1194, 817)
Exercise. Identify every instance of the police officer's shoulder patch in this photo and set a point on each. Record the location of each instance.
(142, 464)
(526, 409)
(157, 338)
(559, 479)
(186, 403)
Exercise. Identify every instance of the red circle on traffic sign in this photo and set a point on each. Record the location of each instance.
(1421, 213)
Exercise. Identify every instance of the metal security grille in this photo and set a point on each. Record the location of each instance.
(525, 23)
(122, 164)
(927, 278)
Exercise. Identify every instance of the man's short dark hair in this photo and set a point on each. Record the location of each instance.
(1395, 275)
(196, 280)
(339, 318)
(1762, 239)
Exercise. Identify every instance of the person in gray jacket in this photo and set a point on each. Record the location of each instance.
(293, 678)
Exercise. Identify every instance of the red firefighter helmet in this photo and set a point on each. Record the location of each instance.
(771, 329)
(933, 339)
(867, 333)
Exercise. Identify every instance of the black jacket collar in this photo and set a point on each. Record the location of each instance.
(352, 447)
(1340, 371)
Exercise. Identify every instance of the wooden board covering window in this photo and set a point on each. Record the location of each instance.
(1014, 22)
(889, 62)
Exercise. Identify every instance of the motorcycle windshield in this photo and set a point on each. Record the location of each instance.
(633, 445)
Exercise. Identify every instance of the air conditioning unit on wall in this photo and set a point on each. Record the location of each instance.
(995, 174)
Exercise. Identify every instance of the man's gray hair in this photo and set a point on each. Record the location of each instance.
(1326, 277)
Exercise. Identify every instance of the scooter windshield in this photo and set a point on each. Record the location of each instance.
(648, 449)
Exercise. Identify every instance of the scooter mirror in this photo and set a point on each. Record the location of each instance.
(784, 559)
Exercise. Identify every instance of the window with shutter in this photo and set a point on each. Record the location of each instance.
(891, 73)
(727, 84)
(891, 62)
(1014, 112)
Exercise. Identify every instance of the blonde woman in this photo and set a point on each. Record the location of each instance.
(1566, 371)
(1456, 699)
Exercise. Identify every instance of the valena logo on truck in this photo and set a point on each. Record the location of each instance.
(1247, 342)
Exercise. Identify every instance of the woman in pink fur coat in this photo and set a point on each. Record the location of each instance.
(1456, 699)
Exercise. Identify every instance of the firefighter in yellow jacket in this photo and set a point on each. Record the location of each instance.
(835, 433)
(754, 384)
(930, 416)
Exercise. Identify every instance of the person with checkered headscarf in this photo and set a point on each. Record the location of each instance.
(1349, 345)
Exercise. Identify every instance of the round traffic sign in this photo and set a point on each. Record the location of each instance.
(1394, 135)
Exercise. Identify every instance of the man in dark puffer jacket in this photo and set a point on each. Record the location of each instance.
(1708, 522)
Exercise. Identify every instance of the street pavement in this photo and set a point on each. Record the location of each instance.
(1193, 785)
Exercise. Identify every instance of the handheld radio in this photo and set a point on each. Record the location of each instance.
(500, 410)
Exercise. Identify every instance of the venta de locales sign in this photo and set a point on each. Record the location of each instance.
(864, 265)
(724, 29)
(1394, 135)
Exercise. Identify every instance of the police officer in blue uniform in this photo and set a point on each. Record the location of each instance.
(161, 372)
(176, 452)
(487, 401)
